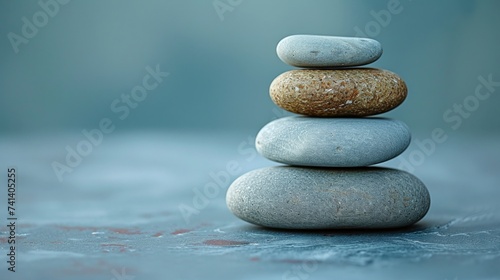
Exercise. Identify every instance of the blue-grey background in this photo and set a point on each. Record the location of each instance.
(118, 208)
(220, 66)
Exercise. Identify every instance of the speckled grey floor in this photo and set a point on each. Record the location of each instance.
(116, 216)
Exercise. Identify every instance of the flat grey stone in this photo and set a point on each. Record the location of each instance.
(318, 198)
(332, 142)
(327, 51)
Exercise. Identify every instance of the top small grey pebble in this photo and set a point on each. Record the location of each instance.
(314, 51)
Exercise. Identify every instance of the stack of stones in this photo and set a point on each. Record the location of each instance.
(326, 183)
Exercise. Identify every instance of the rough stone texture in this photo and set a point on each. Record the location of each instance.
(312, 198)
(327, 51)
(338, 93)
(117, 216)
(332, 142)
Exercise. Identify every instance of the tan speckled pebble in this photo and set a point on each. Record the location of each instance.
(338, 93)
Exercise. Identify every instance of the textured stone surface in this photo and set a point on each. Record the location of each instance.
(117, 216)
(312, 198)
(332, 142)
(327, 51)
(338, 93)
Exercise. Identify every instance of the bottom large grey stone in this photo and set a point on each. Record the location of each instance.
(325, 198)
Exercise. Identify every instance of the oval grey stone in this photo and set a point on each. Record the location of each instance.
(332, 142)
(319, 198)
(327, 51)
